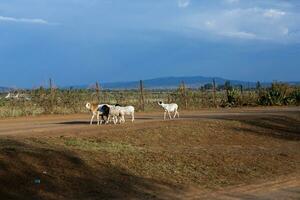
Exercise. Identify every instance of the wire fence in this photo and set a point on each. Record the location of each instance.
(68, 101)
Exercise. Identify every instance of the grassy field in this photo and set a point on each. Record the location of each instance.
(149, 159)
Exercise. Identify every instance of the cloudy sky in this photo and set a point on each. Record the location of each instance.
(81, 41)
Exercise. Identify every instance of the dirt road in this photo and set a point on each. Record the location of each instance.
(286, 187)
(58, 124)
(283, 188)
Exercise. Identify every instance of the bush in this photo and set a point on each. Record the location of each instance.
(295, 97)
(232, 98)
(278, 94)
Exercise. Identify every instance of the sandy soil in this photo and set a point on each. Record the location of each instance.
(61, 124)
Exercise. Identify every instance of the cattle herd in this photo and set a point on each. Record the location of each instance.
(106, 113)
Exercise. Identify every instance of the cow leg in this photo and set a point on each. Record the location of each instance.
(176, 113)
(98, 119)
(91, 122)
(169, 115)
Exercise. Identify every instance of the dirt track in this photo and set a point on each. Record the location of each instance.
(284, 188)
(58, 124)
(287, 187)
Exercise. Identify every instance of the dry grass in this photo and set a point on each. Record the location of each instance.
(45, 101)
(151, 161)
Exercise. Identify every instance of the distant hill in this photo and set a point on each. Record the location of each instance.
(169, 83)
(4, 89)
(174, 82)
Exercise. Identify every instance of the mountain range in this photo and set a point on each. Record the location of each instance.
(4, 89)
(169, 83)
(174, 82)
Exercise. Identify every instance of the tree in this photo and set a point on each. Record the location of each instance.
(258, 85)
(208, 86)
(227, 85)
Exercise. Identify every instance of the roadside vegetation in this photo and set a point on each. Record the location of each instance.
(69, 101)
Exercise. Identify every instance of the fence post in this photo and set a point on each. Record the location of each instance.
(142, 99)
(214, 92)
(51, 94)
(227, 88)
(242, 94)
(50, 84)
(183, 94)
(98, 91)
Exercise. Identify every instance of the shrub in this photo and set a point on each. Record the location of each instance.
(277, 94)
(295, 97)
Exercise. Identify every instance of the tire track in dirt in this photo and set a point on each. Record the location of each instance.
(284, 188)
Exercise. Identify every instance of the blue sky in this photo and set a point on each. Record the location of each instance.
(81, 41)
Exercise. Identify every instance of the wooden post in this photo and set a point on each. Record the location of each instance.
(184, 95)
(214, 92)
(227, 88)
(98, 91)
(142, 100)
(242, 94)
(51, 95)
(50, 84)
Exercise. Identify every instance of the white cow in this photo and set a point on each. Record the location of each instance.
(169, 108)
(128, 110)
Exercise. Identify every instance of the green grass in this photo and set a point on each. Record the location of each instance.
(94, 145)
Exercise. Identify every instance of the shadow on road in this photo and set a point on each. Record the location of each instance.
(76, 122)
(276, 126)
(30, 172)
